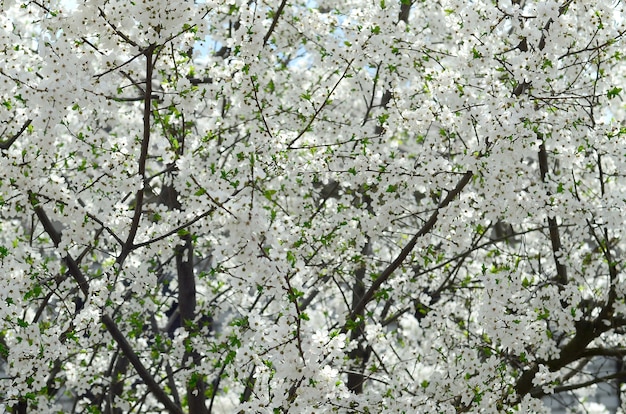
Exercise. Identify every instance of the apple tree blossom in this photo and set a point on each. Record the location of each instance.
(349, 206)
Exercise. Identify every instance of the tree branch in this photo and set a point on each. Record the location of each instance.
(5, 145)
(111, 326)
(538, 392)
(426, 228)
(555, 237)
(187, 309)
(274, 21)
(143, 156)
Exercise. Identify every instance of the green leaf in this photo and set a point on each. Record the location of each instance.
(291, 258)
(268, 194)
(392, 188)
(613, 92)
(559, 188)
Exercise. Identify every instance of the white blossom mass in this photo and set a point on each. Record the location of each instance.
(389, 206)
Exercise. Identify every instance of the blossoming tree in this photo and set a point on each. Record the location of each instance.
(347, 206)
